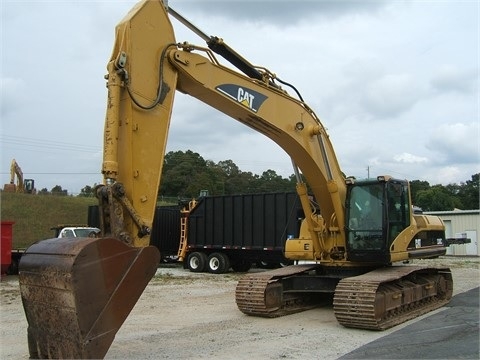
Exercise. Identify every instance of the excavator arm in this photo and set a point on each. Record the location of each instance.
(141, 88)
(16, 171)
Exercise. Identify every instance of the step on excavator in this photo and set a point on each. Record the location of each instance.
(353, 240)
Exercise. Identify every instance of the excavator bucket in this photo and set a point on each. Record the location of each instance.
(78, 292)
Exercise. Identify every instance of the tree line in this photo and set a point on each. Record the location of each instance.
(185, 174)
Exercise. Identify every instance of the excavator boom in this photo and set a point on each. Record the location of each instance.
(15, 171)
(78, 292)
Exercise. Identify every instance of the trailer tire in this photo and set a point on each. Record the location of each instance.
(267, 265)
(218, 263)
(197, 262)
(241, 266)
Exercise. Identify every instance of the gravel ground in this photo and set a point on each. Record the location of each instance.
(182, 315)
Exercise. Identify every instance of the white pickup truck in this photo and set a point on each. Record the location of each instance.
(71, 231)
(61, 231)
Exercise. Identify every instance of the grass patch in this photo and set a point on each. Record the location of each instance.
(34, 215)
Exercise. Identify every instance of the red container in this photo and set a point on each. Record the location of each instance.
(6, 245)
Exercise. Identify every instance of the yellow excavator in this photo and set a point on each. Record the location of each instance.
(22, 185)
(77, 294)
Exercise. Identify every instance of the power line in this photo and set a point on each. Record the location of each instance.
(58, 173)
(34, 144)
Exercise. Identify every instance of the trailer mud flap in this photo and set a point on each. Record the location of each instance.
(77, 293)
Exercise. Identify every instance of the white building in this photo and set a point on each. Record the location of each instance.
(461, 223)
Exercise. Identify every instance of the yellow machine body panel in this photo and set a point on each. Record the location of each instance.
(135, 138)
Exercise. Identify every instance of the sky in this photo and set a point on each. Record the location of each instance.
(396, 84)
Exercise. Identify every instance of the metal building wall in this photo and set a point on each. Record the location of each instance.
(458, 222)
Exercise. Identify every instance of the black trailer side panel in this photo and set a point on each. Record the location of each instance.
(93, 218)
(165, 228)
(254, 221)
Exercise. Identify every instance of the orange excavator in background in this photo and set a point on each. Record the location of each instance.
(77, 294)
(21, 185)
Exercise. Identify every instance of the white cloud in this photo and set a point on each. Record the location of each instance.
(282, 13)
(450, 78)
(12, 95)
(410, 158)
(391, 95)
(447, 175)
(456, 142)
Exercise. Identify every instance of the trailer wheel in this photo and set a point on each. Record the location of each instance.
(266, 265)
(197, 261)
(241, 266)
(218, 263)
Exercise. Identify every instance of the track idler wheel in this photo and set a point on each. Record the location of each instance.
(77, 292)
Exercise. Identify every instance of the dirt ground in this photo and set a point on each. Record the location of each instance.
(182, 315)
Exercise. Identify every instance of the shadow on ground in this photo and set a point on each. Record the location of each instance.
(452, 333)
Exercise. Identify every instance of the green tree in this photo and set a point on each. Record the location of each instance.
(58, 191)
(87, 191)
(453, 190)
(270, 181)
(468, 193)
(182, 174)
(216, 179)
(436, 198)
(229, 168)
(242, 183)
(415, 187)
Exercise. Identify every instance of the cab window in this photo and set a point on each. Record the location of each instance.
(68, 233)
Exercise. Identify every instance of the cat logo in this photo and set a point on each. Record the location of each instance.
(247, 97)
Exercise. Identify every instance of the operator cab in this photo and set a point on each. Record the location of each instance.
(377, 211)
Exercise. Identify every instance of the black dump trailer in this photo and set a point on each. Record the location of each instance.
(165, 230)
(238, 231)
(227, 231)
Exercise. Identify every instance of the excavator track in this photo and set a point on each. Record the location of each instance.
(375, 300)
(390, 296)
(262, 294)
